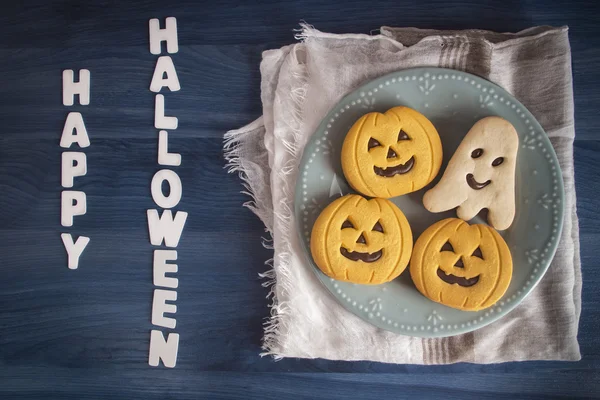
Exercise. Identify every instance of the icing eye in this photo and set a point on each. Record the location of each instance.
(347, 224)
(391, 153)
(447, 247)
(373, 143)
(477, 253)
(477, 153)
(402, 135)
(378, 227)
(497, 161)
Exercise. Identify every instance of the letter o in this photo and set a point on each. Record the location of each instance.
(174, 196)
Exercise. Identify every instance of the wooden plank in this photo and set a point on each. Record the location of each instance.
(220, 91)
(99, 315)
(117, 185)
(38, 383)
(102, 23)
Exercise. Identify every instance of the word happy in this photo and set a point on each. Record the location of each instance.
(164, 228)
(73, 163)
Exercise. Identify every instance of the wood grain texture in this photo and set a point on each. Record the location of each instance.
(174, 384)
(219, 90)
(84, 334)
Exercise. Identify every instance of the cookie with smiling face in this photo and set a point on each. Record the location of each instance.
(480, 174)
(391, 154)
(464, 266)
(361, 241)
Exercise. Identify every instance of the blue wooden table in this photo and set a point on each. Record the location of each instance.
(83, 334)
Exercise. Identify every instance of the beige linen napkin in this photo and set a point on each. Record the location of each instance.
(300, 84)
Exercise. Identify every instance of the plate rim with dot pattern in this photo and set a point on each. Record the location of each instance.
(439, 320)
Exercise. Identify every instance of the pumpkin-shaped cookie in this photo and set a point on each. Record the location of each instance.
(464, 266)
(391, 154)
(361, 241)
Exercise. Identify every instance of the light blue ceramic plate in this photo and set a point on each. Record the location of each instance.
(453, 101)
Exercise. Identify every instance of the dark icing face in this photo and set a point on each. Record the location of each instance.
(458, 280)
(392, 156)
(362, 256)
(471, 181)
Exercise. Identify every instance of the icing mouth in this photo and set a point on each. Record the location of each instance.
(476, 185)
(451, 279)
(398, 169)
(358, 256)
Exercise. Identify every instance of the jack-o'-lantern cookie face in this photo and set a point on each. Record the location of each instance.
(463, 266)
(361, 241)
(391, 154)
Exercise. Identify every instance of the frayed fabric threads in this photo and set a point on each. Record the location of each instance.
(235, 143)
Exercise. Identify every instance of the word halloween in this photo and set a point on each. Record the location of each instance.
(73, 163)
(164, 228)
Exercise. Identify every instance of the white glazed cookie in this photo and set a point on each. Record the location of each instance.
(480, 174)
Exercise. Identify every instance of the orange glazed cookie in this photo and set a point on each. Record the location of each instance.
(361, 241)
(391, 154)
(464, 266)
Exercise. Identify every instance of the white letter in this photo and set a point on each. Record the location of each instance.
(175, 188)
(160, 121)
(74, 163)
(74, 250)
(160, 268)
(169, 35)
(164, 157)
(74, 121)
(159, 307)
(164, 65)
(72, 203)
(166, 228)
(71, 88)
(165, 351)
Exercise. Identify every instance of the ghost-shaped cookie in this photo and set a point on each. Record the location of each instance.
(480, 174)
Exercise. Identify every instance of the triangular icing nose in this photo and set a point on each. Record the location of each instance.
(391, 153)
(459, 263)
(361, 239)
